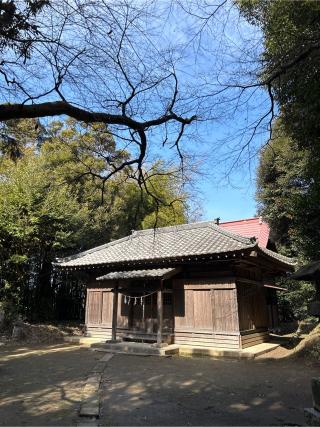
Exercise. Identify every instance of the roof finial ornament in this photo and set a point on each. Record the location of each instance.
(217, 220)
(132, 234)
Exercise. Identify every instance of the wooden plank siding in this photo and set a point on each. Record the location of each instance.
(206, 313)
(106, 315)
(250, 338)
(99, 308)
(219, 313)
(94, 307)
(225, 310)
(103, 332)
(253, 314)
(252, 307)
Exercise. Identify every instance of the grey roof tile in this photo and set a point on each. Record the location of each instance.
(279, 257)
(202, 238)
(163, 243)
(139, 274)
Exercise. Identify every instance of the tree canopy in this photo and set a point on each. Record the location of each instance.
(288, 194)
(288, 191)
(130, 80)
(51, 207)
(288, 175)
(290, 62)
(95, 62)
(155, 72)
(288, 180)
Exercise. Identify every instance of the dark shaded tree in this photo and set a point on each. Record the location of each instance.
(288, 194)
(50, 206)
(290, 62)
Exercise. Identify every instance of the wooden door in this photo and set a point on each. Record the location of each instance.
(225, 310)
(93, 309)
(202, 309)
(137, 321)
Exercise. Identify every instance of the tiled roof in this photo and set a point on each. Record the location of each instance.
(203, 238)
(279, 257)
(139, 274)
(168, 243)
(250, 227)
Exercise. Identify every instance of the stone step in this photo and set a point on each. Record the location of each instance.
(86, 341)
(136, 348)
(260, 349)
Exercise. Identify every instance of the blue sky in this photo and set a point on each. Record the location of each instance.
(224, 191)
(226, 202)
(205, 59)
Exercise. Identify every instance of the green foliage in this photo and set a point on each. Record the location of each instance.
(162, 206)
(9, 302)
(288, 189)
(294, 303)
(291, 31)
(17, 27)
(289, 172)
(288, 198)
(51, 206)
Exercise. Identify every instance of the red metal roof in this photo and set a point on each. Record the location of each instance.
(250, 227)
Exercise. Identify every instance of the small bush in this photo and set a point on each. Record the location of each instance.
(314, 352)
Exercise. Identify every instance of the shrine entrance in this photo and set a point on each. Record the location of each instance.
(143, 312)
(146, 302)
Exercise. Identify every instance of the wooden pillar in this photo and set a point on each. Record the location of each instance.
(160, 314)
(115, 312)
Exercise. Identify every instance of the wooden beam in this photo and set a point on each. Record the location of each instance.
(115, 312)
(160, 314)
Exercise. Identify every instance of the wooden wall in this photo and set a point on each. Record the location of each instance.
(252, 306)
(253, 314)
(99, 312)
(273, 310)
(206, 313)
(253, 337)
(99, 306)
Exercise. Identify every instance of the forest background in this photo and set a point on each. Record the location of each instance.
(69, 185)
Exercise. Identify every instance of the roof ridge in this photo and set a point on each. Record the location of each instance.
(235, 236)
(172, 228)
(195, 225)
(243, 219)
(168, 229)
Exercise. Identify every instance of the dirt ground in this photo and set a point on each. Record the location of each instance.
(41, 384)
(176, 391)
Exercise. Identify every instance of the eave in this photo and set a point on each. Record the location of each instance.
(207, 258)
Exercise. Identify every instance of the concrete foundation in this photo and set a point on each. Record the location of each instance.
(143, 349)
(140, 349)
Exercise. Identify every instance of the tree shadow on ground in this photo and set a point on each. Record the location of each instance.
(41, 385)
(286, 342)
(179, 391)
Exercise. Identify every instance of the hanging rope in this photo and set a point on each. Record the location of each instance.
(128, 298)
